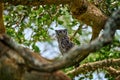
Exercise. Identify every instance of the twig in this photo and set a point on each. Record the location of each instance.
(71, 38)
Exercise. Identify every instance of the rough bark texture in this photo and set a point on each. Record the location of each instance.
(14, 67)
(35, 2)
(84, 68)
(89, 14)
(2, 27)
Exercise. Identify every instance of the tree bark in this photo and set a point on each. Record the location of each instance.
(36, 2)
(104, 64)
(15, 67)
(89, 14)
(2, 27)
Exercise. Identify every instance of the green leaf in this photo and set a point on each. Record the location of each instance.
(36, 48)
(60, 22)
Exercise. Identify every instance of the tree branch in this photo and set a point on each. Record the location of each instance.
(89, 14)
(36, 2)
(112, 71)
(71, 38)
(12, 63)
(84, 68)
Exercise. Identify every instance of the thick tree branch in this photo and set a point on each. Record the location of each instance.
(12, 63)
(36, 2)
(75, 55)
(89, 14)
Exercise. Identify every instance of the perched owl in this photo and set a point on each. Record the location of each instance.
(63, 41)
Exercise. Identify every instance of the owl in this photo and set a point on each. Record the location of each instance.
(63, 41)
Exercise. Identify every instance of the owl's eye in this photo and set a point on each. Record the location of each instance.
(60, 31)
(65, 32)
(57, 32)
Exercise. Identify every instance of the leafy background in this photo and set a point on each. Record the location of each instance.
(34, 27)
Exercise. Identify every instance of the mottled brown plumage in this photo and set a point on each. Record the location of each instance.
(64, 42)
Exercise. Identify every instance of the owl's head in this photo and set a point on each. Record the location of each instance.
(61, 32)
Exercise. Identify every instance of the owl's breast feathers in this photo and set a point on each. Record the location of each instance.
(65, 45)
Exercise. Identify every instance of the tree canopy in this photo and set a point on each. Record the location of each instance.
(32, 21)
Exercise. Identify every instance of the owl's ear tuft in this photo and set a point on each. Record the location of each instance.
(65, 29)
(56, 30)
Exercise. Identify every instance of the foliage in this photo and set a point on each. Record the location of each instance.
(36, 21)
(107, 6)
